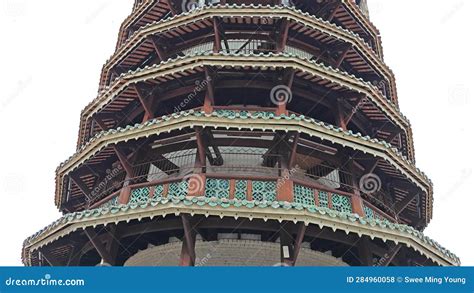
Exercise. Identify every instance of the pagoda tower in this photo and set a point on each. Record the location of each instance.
(235, 132)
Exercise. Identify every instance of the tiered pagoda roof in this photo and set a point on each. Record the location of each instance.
(277, 119)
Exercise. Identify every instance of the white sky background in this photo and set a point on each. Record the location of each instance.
(52, 51)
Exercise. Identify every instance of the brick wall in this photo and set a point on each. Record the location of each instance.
(229, 252)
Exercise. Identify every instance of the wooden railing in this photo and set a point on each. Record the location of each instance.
(241, 187)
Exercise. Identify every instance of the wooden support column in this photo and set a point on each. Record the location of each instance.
(188, 255)
(289, 246)
(209, 141)
(294, 147)
(113, 244)
(287, 80)
(232, 189)
(125, 192)
(298, 242)
(340, 118)
(343, 56)
(403, 259)
(282, 36)
(217, 36)
(99, 246)
(158, 49)
(365, 253)
(201, 149)
(209, 98)
(356, 199)
(145, 102)
(123, 161)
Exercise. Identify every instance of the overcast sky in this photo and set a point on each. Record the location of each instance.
(52, 51)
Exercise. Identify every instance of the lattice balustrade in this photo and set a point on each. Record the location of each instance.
(110, 203)
(240, 189)
(140, 195)
(264, 190)
(264, 114)
(323, 198)
(341, 203)
(303, 195)
(233, 113)
(178, 188)
(219, 188)
(159, 191)
(227, 113)
(369, 213)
